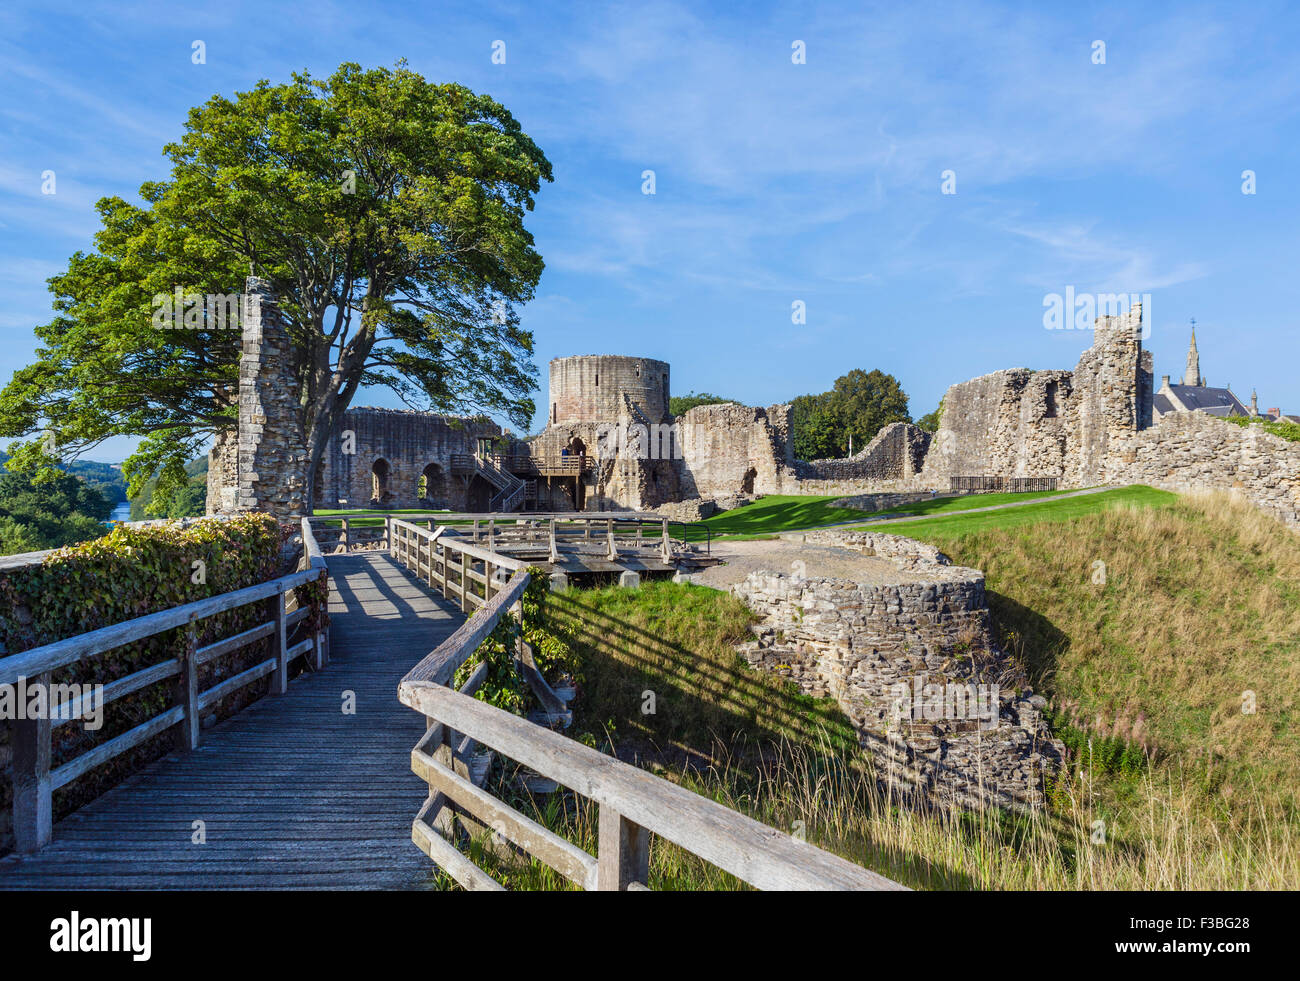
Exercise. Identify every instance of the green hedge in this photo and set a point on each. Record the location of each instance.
(126, 574)
(1287, 430)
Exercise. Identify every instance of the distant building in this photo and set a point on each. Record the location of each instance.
(1194, 395)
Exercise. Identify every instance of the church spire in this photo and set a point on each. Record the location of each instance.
(1193, 375)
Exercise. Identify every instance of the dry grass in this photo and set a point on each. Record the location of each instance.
(1201, 602)
(1200, 606)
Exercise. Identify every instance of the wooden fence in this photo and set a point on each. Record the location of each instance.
(35, 781)
(633, 803)
(627, 529)
(1002, 485)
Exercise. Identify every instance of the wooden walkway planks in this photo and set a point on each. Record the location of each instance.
(294, 793)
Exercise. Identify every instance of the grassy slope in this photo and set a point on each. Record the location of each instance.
(1201, 603)
(778, 513)
(1067, 509)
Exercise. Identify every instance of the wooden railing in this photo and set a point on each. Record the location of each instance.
(632, 803)
(35, 781)
(1002, 485)
(628, 529)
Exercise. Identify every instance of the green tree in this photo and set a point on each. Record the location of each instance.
(931, 420)
(679, 405)
(387, 213)
(816, 428)
(859, 406)
(56, 511)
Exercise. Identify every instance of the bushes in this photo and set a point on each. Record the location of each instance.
(1287, 430)
(129, 573)
(549, 638)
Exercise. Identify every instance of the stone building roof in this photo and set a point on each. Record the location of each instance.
(1212, 401)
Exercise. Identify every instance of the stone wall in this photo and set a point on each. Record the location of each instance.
(404, 446)
(857, 642)
(1009, 423)
(591, 388)
(1191, 451)
(735, 449)
(896, 454)
(263, 467)
(1021, 423)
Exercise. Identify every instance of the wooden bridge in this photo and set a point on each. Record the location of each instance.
(312, 786)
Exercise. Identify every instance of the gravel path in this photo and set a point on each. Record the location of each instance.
(742, 558)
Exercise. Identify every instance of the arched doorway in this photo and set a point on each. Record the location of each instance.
(432, 485)
(379, 473)
(478, 495)
(747, 481)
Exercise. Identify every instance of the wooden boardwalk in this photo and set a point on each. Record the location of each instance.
(294, 794)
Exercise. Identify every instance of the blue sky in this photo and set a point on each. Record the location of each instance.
(775, 182)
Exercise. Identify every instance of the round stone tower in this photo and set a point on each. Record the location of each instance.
(590, 388)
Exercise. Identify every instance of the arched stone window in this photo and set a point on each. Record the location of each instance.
(379, 472)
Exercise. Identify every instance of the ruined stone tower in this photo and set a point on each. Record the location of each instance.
(262, 467)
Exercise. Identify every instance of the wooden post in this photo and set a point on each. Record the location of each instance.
(343, 535)
(475, 539)
(612, 553)
(280, 678)
(492, 534)
(464, 582)
(623, 853)
(388, 540)
(667, 544)
(187, 692)
(555, 553)
(33, 806)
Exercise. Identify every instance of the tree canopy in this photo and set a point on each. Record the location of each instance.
(679, 405)
(387, 213)
(859, 405)
(59, 510)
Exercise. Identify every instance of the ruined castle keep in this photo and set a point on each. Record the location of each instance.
(610, 442)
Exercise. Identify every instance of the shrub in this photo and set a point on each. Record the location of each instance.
(129, 573)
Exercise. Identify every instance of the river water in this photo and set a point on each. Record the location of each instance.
(122, 512)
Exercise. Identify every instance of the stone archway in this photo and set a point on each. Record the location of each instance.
(432, 485)
(380, 472)
(747, 481)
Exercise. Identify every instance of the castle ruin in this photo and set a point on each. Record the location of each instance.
(611, 443)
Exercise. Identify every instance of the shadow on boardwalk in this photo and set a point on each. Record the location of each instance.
(292, 793)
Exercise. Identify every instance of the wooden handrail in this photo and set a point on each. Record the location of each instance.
(748, 849)
(632, 802)
(35, 781)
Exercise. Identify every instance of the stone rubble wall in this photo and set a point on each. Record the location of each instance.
(854, 641)
(1192, 451)
(409, 442)
(269, 452)
(882, 501)
(897, 453)
(734, 449)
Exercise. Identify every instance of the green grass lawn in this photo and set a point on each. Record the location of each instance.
(779, 513)
(1030, 514)
(964, 502)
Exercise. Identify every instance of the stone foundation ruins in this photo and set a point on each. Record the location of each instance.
(875, 645)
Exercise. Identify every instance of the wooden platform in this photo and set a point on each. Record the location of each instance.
(294, 794)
